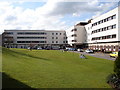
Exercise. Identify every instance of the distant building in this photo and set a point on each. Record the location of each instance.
(77, 35)
(39, 38)
(103, 32)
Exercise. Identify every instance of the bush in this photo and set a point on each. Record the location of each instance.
(117, 65)
(114, 79)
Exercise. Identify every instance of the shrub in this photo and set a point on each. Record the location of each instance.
(117, 65)
(114, 79)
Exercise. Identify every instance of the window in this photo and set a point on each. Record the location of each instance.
(74, 40)
(98, 30)
(105, 20)
(32, 33)
(105, 28)
(114, 36)
(113, 26)
(60, 33)
(8, 32)
(56, 37)
(114, 16)
(109, 27)
(31, 41)
(56, 41)
(56, 33)
(52, 33)
(52, 37)
(109, 36)
(31, 37)
(74, 35)
(52, 41)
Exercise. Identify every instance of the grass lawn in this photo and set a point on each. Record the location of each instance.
(53, 69)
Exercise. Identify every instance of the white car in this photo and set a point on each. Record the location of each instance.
(89, 51)
(39, 48)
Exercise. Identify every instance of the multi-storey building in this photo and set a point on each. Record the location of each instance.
(100, 33)
(27, 38)
(103, 33)
(77, 35)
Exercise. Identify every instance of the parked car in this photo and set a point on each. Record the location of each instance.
(39, 48)
(89, 51)
(71, 49)
(114, 54)
(80, 50)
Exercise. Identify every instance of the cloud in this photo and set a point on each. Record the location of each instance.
(49, 16)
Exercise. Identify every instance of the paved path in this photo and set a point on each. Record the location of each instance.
(98, 55)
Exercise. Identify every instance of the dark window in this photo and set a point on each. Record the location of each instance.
(8, 32)
(114, 36)
(74, 40)
(113, 26)
(31, 37)
(32, 33)
(74, 35)
(52, 33)
(31, 41)
(105, 20)
(114, 16)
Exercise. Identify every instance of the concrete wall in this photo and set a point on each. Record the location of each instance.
(60, 37)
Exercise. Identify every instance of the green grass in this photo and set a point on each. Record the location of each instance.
(53, 69)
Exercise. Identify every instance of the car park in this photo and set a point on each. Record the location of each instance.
(89, 51)
(39, 48)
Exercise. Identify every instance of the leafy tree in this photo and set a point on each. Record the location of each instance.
(117, 65)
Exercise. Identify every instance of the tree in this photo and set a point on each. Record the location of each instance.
(117, 65)
(114, 79)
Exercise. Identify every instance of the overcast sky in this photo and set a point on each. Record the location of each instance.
(49, 15)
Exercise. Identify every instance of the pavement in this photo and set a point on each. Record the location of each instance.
(98, 55)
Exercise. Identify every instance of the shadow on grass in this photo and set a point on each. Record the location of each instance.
(11, 52)
(8, 82)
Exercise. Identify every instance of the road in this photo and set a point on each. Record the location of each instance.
(98, 55)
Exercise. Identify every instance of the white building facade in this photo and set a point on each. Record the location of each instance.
(103, 33)
(76, 35)
(42, 38)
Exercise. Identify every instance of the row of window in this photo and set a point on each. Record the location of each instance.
(38, 41)
(8, 32)
(58, 34)
(104, 37)
(57, 41)
(104, 29)
(74, 40)
(73, 30)
(31, 37)
(31, 42)
(57, 38)
(104, 20)
(9, 42)
(34, 33)
(74, 35)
